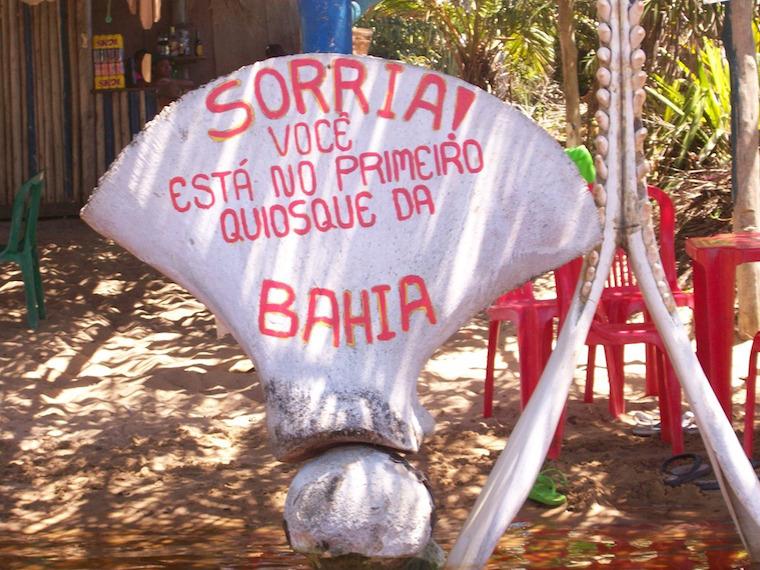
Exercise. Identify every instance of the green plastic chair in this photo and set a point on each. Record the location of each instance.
(22, 246)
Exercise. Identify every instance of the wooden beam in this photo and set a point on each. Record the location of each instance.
(745, 166)
(76, 127)
(87, 102)
(39, 90)
(16, 165)
(126, 135)
(56, 101)
(6, 195)
(100, 135)
(66, 92)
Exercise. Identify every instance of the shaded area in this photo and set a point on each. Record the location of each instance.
(130, 435)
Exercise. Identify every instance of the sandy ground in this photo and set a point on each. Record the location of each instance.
(123, 418)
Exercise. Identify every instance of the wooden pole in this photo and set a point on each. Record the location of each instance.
(63, 16)
(100, 135)
(45, 96)
(6, 195)
(116, 125)
(745, 168)
(16, 165)
(21, 78)
(76, 127)
(87, 101)
(569, 51)
(56, 101)
(40, 91)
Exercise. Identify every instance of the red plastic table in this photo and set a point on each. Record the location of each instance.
(714, 260)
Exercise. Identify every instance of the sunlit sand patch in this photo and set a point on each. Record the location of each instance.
(109, 288)
(245, 420)
(9, 286)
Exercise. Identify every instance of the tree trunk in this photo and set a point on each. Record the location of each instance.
(570, 72)
(745, 170)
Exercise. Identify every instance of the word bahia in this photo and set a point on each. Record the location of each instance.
(278, 305)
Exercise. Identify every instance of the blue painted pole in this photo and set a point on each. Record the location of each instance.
(326, 26)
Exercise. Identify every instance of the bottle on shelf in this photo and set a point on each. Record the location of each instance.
(198, 48)
(183, 39)
(163, 44)
(173, 42)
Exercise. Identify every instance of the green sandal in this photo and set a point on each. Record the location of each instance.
(544, 490)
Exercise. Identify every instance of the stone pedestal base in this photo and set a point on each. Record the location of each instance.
(360, 506)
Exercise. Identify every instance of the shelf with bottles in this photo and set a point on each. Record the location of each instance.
(180, 44)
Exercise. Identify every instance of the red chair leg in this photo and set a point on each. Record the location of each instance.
(547, 336)
(529, 349)
(494, 328)
(749, 405)
(588, 395)
(670, 408)
(652, 370)
(662, 395)
(616, 375)
(652, 366)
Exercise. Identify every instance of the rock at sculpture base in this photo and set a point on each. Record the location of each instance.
(431, 558)
(360, 506)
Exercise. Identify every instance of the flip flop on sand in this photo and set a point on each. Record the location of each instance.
(689, 422)
(544, 490)
(648, 424)
(684, 468)
(712, 484)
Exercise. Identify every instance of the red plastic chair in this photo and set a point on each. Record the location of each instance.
(613, 336)
(533, 320)
(534, 323)
(621, 298)
(749, 405)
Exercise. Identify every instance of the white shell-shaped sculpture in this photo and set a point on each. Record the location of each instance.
(342, 217)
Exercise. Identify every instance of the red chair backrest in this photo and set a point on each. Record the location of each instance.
(666, 236)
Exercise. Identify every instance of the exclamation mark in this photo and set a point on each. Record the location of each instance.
(464, 101)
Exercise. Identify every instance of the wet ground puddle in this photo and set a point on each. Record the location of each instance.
(713, 545)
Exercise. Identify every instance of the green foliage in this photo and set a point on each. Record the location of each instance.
(690, 114)
(474, 38)
(412, 41)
